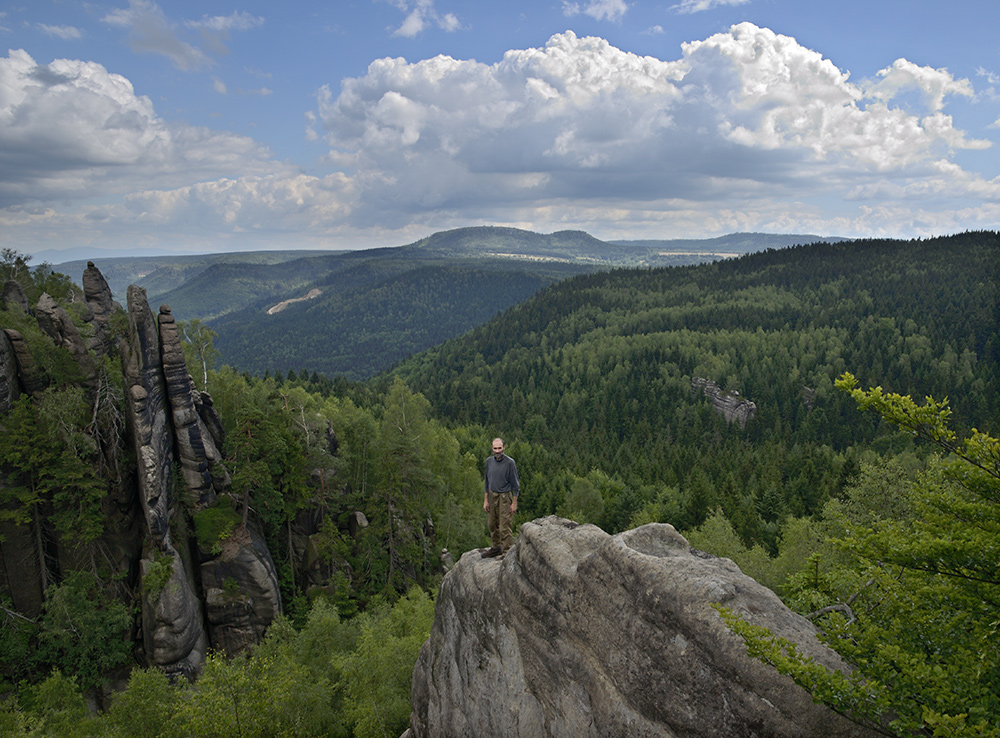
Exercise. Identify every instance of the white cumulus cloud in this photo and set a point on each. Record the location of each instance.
(70, 128)
(746, 130)
(743, 117)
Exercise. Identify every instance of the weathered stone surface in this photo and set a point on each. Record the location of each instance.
(102, 306)
(205, 407)
(729, 404)
(201, 461)
(22, 577)
(174, 638)
(578, 633)
(32, 377)
(10, 388)
(55, 322)
(242, 597)
(147, 413)
(13, 296)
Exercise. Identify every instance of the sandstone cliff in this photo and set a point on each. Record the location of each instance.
(191, 599)
(578, 633)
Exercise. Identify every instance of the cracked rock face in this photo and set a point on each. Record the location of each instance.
(200, 459)
(102, 307)
(579, 633)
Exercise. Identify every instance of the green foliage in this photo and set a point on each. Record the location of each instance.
(717, 536)
(84, 632)
(14, 265)
(199, 349)
(596, 373)
(374, 313)
(213, 525)
(376, 676)
(860, 698)
(16, 645)
(43, 445)
(157, 574)
(910, 599)
(58, 709)
(331, 679)
(146, 706)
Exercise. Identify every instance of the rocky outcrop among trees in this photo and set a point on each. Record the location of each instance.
(730, 405)
(579, 633)
(196, 590)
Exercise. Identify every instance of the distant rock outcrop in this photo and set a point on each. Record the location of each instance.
(729, 404)
(578, 633)
(13, 295)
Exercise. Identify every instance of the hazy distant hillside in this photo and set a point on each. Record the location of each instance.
(160, 274)
(376, 313)
(368, 309)
(733, 244)
(211, 285)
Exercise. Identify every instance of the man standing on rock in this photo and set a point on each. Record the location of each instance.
(500, 499)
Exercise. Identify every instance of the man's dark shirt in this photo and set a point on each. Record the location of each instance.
(501, 476)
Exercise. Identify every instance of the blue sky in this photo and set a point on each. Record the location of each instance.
(152, 127)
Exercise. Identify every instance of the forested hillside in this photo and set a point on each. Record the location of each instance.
(595, 374)
(375, 314)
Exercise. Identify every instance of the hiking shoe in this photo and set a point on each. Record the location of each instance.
(491, 552)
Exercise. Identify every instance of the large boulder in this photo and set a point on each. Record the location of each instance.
(578, 633)
(12, 296)
(242, 594)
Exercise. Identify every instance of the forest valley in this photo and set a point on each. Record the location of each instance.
(865, 489)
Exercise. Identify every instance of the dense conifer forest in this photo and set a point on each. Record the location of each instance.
(594, 375)
(590, 383)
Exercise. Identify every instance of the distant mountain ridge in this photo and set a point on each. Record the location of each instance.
(373, 308)
(165, 277)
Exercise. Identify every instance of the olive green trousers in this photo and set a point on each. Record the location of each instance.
(501, 520)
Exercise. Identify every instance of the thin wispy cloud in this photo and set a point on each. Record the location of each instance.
(236, 21)
(612, 10)
(63, 32)
(151, 32)
(699, 6)
(421, 14)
